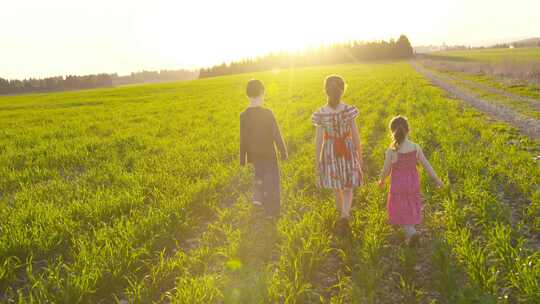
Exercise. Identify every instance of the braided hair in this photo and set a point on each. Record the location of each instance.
(399, 127)
(334, 86)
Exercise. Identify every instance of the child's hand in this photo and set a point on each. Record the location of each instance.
(381, 184)
(439, 183)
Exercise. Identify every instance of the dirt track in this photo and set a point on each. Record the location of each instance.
(533, 102)
(528, 126)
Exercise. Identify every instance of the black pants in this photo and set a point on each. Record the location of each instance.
(266, 187)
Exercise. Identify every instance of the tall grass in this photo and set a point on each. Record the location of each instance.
(133, 194)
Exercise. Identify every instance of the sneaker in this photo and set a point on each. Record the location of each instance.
(342, 226)
(346, 227)
(257, 203)
(337, 227)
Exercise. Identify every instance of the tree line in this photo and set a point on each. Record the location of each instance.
(332, 54)
(517, 45)
(58, 83)
(348, 52)
(72, 82)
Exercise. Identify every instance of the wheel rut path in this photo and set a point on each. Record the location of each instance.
(527, 125)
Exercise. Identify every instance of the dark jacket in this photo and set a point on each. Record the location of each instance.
(258, 134)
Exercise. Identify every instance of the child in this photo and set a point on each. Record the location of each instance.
(258, 134)
(404, 199)
(339, 153)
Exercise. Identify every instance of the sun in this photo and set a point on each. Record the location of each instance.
(203, 33)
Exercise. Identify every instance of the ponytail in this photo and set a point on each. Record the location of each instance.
(399, 127)
(398, 136)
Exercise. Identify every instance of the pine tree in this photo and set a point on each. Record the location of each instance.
(403, 47)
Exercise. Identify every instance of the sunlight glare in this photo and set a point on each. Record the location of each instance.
(247, 29)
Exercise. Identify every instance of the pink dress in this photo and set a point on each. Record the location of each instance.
(404, 198)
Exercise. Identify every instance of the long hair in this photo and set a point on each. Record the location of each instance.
(399, 127)
(334, 86)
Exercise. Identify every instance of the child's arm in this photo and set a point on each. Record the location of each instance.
(386, 168)
(427, 166)
(279, 140)
(318, 145)
(243, 152)
(357, 144)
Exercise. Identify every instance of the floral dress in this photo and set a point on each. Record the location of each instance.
(339, 164)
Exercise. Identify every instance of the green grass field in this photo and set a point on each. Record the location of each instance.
(134, 193)
(494, 55)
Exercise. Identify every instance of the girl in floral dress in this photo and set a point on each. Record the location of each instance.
(339, 153)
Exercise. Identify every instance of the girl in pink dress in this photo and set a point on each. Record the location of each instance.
(404, 199)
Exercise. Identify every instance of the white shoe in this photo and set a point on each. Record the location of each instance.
(257, 203)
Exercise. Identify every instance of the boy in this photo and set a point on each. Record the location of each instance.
(259, 134)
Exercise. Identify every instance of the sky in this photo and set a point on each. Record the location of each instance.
(60, 37)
